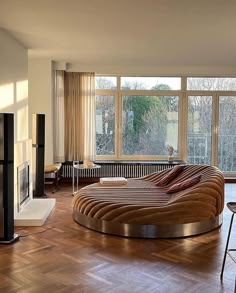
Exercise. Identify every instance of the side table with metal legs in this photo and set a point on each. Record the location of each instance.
(76, 167)
(75, 170)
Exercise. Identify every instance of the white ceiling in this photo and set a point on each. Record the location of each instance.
(125, 32)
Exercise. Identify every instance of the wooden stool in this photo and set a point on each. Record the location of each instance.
(54, 172)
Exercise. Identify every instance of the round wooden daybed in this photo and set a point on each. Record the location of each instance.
(142, 208)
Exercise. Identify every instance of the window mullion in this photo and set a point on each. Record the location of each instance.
(183, 118)
(183, 83)
(118, 83)
(215, 127)
(118, 143)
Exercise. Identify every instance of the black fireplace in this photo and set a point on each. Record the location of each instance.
(23, 184)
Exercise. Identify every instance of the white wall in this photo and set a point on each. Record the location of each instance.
(40, 99)
(14, 83)
(14, 99)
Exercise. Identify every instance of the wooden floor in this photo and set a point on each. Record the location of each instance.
(70, 258)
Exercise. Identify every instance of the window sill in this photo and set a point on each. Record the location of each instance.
(136, 162)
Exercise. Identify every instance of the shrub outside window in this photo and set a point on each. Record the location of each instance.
(149, 125)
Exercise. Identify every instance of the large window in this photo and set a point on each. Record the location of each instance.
(106, 82)
(199, 129)
(105, 125)
(137, 117)
(150, 83)
(227, 134)
(149, 125)
(211, 83)
(140, 117)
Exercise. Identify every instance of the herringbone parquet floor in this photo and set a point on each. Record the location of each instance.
(70, 258)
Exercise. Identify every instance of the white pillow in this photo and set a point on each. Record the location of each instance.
(113, 181)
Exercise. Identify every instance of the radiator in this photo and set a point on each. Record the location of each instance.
(127, 170)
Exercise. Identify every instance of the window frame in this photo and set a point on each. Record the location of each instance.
(119, 93)
(183, 94)
(213, 119)
(210, 91)
(110, 92)
(145, 157)
(110, 157)
(219, 94)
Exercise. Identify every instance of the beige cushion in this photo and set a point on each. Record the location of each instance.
(52, 168)
(113, 181)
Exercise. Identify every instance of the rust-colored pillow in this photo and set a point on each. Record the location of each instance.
(184, 184)
(171, 175)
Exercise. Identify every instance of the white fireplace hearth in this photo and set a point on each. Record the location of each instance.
(35, 212)
(28, 211)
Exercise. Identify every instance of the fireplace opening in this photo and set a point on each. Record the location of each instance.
(23, 184)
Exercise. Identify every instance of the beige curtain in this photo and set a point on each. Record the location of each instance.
(59, 154)
(80, 136)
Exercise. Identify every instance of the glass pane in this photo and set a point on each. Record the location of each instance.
(105, 125)
(149, 125)
(106, 82)
(227, 134)
(150, 83)
(211, 83)
(199, 129)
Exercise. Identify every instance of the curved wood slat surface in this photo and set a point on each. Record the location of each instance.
(143, 202)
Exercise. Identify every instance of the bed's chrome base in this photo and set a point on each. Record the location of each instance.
(148, 231)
